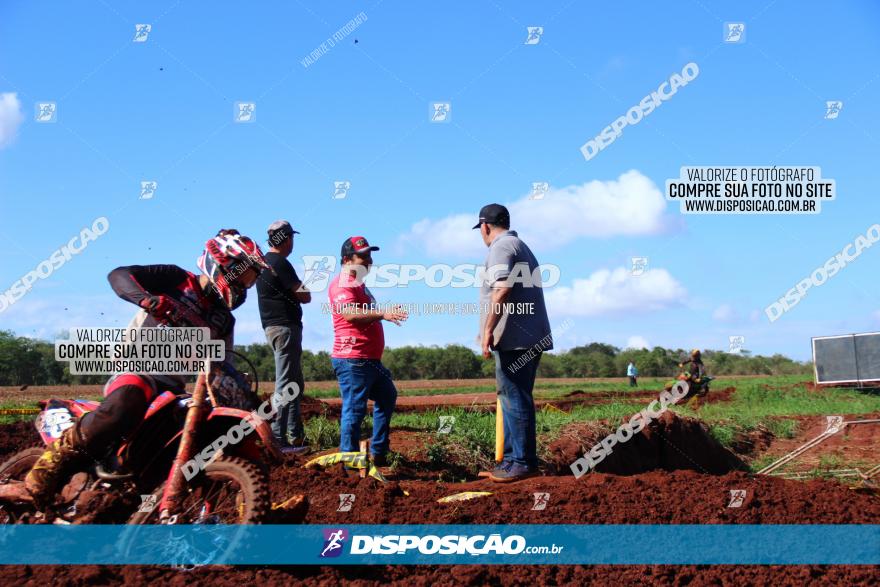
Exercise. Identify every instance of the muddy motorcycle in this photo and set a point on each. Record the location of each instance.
(145, 477)
(699, 390)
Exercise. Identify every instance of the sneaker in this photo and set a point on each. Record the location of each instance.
(295, 450)
(380, 460)
(510, 471)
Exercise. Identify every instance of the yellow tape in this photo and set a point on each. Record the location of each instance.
(464, 496)
(353, 460)
(19, 411)
(294, 500)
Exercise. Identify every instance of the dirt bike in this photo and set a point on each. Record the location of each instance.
(695, 389)
(145, 478)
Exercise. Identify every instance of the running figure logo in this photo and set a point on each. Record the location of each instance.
(539, 190)
(333, 541)
(737, 497)
(45, 112)
(340, 189)
(639, 266)
(441, 111)
(534, 35)
(734, 32)
(541, 501)
(832, 109)
(245, 112)
(319, 268)
(446, 424)
(737, 343)
(141, 32)
(148, 190)
(346, 502)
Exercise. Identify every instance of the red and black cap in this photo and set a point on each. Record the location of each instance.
(494, 214)
(355, 245)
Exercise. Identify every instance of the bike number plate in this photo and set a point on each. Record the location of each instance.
(53, 422)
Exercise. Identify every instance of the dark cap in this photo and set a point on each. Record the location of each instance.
(494, 214)
(279, 231)
(355, 245)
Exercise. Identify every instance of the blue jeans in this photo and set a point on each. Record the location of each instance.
(286, 343)
(515, 384)
(361, 380)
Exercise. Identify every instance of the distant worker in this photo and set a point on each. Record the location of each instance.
(633, 373)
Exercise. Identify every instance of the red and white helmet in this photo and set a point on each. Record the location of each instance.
(225, 258)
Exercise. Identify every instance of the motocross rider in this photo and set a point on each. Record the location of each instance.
(167, 295)
(694, 368)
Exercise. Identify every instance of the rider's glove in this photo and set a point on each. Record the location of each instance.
(158, 306)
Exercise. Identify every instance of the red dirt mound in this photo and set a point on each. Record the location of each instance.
(670, 443)
(17, 436)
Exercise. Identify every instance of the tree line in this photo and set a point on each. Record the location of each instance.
(27, 361)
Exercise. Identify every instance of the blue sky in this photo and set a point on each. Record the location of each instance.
(163, 110)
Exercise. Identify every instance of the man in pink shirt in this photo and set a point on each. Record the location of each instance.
(358, 344)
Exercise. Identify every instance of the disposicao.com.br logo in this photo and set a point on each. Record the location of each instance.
(493, 544)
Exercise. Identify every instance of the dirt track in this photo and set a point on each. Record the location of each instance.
(437, 576)
(658, 496)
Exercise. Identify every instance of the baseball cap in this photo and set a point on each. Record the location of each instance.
(356, 244)
(493, 214)
(279, 231)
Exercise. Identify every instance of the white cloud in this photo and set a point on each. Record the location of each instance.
(609, 292)
(637, 342)
(10, 118)
(630, 206)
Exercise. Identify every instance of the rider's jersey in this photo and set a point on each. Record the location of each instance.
(137, 282)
